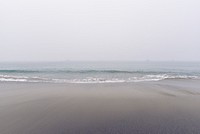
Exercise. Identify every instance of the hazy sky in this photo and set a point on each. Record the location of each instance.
(55, 30)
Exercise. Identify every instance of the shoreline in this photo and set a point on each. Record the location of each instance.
(168, 106)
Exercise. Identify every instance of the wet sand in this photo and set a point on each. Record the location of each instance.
(163, 107)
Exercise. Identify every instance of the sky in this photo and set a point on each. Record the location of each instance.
(99, 30)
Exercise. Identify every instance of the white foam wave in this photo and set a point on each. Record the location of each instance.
(13, 80)
(159, 77)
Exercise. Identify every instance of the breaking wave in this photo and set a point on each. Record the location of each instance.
(11, 78)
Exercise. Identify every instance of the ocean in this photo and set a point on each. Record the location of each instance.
(97, 72)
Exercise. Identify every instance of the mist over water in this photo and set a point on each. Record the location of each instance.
(99, 30)
(98, 72)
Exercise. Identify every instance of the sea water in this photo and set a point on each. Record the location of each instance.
(97, 72)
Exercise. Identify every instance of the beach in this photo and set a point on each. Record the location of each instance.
(161, 107)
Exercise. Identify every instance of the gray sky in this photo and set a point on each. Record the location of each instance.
(55, 30)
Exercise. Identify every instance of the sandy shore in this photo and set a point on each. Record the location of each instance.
(164, 107)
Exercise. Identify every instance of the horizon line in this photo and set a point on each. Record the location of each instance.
(20, 61)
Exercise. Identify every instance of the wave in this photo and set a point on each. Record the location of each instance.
(18, 71)
(84, 71)
(11, 78)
